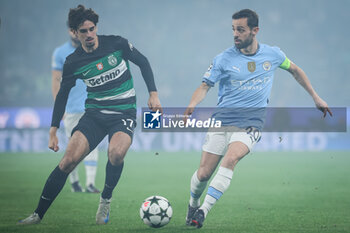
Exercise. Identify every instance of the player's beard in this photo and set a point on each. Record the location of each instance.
(90, 44)
(244, 44)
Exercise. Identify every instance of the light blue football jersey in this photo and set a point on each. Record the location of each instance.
(245, 84)
(78, 94)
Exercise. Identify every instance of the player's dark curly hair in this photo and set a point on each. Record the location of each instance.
(252, 17)
(77, 16)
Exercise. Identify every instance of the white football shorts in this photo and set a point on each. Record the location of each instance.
(71, 120)
(218, 142)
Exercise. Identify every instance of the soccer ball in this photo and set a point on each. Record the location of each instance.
(156, 211)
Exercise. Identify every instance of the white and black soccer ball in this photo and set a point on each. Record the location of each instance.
(156, 211)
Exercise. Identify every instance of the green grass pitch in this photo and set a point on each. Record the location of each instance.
(270, 192)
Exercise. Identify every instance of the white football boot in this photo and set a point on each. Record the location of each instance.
(32, 219)
(102, 215)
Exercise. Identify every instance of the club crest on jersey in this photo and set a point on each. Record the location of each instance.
(267, 65)
(112, 60)
(99, 66)
(251, 66)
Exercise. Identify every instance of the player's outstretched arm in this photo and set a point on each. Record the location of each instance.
(197, 97)
(53, 140)
(142, 62)
(304, 81)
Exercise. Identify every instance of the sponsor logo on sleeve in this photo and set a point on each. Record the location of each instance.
(131, 46)
(207, 74)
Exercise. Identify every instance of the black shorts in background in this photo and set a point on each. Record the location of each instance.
(96, 125)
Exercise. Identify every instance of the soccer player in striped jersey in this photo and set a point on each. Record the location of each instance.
(102, 62)
(245, 74)
(74, 111)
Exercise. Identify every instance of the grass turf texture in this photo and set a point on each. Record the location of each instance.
(270, 192)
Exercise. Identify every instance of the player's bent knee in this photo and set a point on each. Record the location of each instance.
(230, 161)
(116, 156)
(116, 161)
(66, 168)
(67, 164)
(203, 175)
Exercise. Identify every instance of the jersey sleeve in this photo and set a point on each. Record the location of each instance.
(283, 61)
(285, 64)
(68, 82)
(127, 47)
(57, 61)
(136, 57)
(213, 74)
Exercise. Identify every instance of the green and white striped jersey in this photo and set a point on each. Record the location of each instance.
(106, 73)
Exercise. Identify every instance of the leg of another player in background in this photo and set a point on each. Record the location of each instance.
(74, 181)
(77, 149)
(221, 181)
(90, 163)
(70, 120)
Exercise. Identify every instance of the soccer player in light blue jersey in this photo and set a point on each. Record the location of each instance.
(75, 109)
(245, 75)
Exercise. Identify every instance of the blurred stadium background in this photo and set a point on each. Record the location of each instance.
(180, 38)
